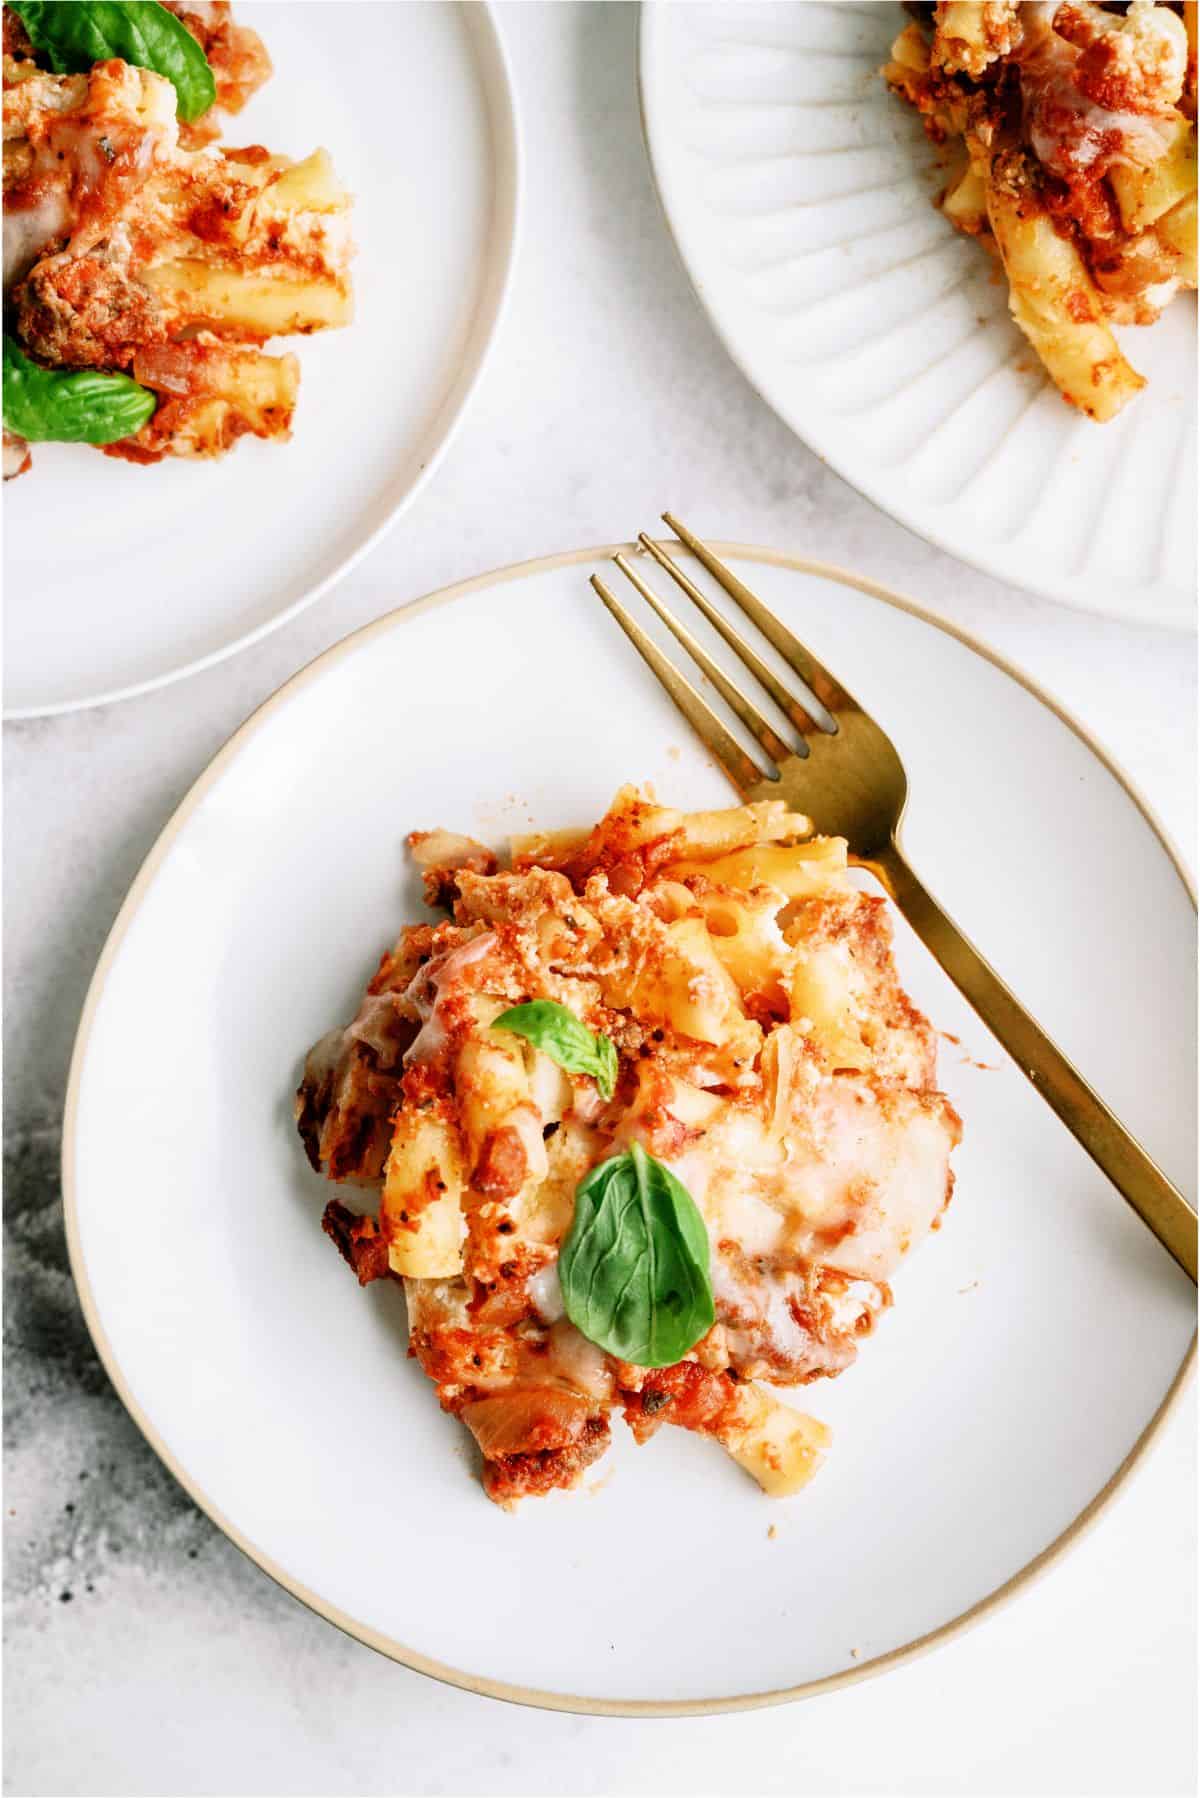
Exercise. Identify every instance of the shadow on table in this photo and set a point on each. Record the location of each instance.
(85, 1486)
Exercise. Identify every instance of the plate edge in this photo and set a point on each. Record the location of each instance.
(1180, 618)
(535, 1697)
(497, 83)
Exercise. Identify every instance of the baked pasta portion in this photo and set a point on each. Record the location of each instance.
(236, 55)
(126, 252)
(646, 1124)
(1073, 133)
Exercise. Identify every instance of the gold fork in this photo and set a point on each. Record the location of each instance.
(852, 784)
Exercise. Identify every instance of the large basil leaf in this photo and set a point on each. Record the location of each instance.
(73, 34)
(54, 405)
(558, 1033)
(634, 1267)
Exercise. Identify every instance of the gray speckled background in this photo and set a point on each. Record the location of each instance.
(143, 1653)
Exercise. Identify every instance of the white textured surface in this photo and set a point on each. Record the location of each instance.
(800, 192)
(184, 1670)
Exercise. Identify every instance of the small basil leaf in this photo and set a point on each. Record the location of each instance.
(57, 405)
(634, 1267)
(73, 36)
(560, 1035)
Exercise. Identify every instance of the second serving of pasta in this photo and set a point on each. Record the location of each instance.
(1070, 132)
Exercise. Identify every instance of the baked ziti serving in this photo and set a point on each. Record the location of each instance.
(1072, 129)
(145, 265)
(646, 1124)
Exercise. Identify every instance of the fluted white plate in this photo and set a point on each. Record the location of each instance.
(118, 579)
(1035, 1338)
(800, 194)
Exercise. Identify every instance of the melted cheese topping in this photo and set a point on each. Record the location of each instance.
(1069, 129)
(856, 1183)
(125, 250)
(29, 229)
(767, 1056)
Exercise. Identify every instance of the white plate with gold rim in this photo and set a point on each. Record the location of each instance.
(1036, 1339)
(800, 196)
(119, 579)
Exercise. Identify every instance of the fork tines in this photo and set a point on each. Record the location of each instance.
(829, 693)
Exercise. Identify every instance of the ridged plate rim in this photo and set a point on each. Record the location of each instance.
(1165, 604)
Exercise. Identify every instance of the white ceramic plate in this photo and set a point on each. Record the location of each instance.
(800, 196)
(1034, 1339)
(119, 578)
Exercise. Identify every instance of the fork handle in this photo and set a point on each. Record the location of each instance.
(1139, 1181)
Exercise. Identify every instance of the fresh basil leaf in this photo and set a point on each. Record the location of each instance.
(560, 1035)
(634, 1268)
(73, 34)
(57, 405)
